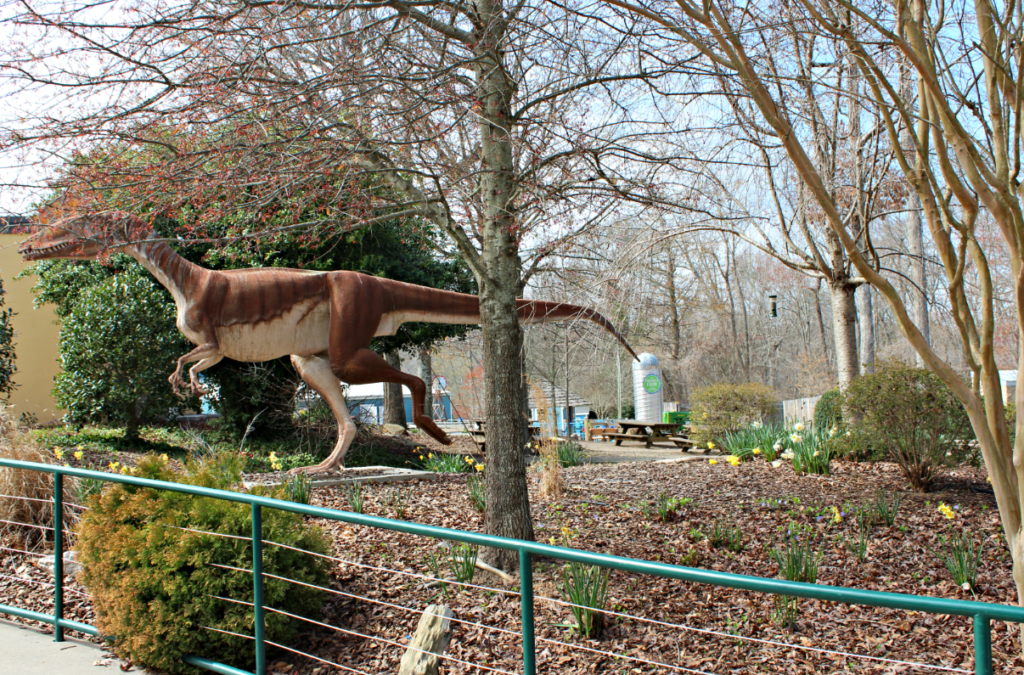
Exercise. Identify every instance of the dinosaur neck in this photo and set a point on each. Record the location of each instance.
(176, 274)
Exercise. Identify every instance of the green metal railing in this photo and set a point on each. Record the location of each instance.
(981, 613)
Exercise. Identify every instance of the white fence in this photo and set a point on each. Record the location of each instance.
(799, 409)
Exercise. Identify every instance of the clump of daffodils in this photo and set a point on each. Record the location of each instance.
(275, 462)
(733, 459)
(788, 454)
(58, 453)
(944, 509)
(78, 455)
(796, 438)
(837, 516)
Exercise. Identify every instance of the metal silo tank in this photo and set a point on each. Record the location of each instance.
(647, 388)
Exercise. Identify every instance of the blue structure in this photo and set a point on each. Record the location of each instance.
(366, 403)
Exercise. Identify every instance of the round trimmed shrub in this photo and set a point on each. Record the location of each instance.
(828, 412)
(153, 583)
(723, 408)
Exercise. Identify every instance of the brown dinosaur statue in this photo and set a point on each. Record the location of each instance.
(323, 320)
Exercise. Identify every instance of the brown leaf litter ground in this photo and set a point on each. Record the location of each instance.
(611, 509)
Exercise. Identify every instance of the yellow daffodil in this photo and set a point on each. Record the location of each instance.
(712, 462)
(479, 467)
(58, 453)
(756, 451)
(553, 541)
(422, 457)
(275, 462)
(733, 459)
(837, 517)
(946, 511)
(163, 457)
(430, 455)
(799, 427)
(125, 470)
(79, 448)
(469, 460)
(711, 446)
(114, 465)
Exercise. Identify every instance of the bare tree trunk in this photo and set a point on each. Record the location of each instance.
(670, 278)
(427, 375)
(844, 330)
(508, 502)
(866, 320)
(394, 405)
(915, 244)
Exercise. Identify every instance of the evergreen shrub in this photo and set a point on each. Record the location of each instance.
(153, 583)
(828, 412)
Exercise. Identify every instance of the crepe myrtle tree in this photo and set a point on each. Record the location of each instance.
(956, 139)
(471, 112)
(117, 344)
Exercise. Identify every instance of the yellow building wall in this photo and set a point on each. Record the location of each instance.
(35, 337)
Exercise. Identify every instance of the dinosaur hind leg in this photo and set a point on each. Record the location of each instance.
(316, 372)
(368, 367)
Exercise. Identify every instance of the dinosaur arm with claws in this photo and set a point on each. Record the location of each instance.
(324, 321)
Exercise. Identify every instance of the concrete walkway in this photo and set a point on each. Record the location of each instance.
(26, 651)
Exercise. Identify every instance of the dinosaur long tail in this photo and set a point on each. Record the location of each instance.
(419, 303)
(542, 311)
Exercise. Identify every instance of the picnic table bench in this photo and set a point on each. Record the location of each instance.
(479, 434)
(647, 432)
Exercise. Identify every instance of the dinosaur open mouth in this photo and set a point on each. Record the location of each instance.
(30, 251)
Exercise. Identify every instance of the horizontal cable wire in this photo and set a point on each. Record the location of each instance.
(43, 583)
(731, 636)
(389, 642)
(20, 550)
(15, 522)
(227, 632)
(624, 656)
(385, 569)
(46, 501)
(215, 534)
(392, 605)
(317, 658)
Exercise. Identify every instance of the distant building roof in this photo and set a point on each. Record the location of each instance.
(575, 401)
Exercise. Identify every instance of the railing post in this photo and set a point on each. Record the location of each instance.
(257, 589)
(58, 556)
(526, 611)
(982, 645)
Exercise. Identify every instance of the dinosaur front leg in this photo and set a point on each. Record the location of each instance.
(316, 372)
(201, 352)
(193, 374)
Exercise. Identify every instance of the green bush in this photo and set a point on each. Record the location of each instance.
(722, 408)
(118, 346)
(153, 583)
(828, 412)
(914, 416)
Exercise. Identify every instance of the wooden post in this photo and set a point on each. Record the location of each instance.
(433, 633)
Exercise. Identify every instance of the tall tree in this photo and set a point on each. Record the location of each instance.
(467, 110)
(966, 158)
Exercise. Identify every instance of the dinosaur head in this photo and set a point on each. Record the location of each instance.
(79, 237)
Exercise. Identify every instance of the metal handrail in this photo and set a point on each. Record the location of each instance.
(982, 613)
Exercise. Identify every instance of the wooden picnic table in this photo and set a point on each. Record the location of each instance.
(649, 433)
(481, 434)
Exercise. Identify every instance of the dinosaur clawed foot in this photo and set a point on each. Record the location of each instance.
(434, 431)
(177, 384)
(313, 469)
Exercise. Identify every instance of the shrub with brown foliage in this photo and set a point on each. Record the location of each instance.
(29, 494)
(153, 583)
(722, 408)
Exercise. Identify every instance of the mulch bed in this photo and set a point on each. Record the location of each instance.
(604, 509)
